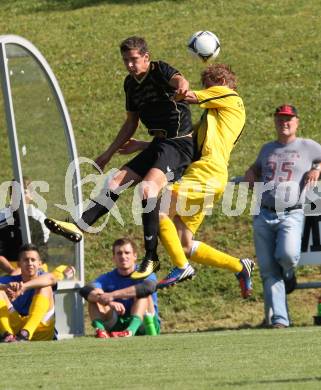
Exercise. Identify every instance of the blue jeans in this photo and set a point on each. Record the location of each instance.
(277, 239)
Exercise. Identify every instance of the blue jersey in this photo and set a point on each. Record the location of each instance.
(112, 281)
(23, 302)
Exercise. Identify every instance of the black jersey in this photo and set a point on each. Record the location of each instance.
(153, 99)
(11, 238)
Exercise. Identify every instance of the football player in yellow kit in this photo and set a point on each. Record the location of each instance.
(204, 180)
(26, 300)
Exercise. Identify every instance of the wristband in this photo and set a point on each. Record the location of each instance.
(85, 291)
(145, 288)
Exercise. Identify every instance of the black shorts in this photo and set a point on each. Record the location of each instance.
(172, 156)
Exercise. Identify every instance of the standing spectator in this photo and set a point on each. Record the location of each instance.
(286, 167)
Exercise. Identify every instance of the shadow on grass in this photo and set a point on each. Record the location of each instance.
(66, 5)
(261, 325)
(74, 4)
(267, 381)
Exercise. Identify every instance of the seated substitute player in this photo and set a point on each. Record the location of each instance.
(117, 303)
(11, 237)
(26, 301)
(204, 180)
(10, 231)
(150, 88)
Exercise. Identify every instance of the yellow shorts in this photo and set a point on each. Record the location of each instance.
(44, 332)
(199, 188)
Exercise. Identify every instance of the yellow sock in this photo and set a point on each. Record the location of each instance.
(4, 318)
(172, 244)
(204, 254)
(39, 307)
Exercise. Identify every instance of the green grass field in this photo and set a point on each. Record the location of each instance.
(246, 359)
(274, 47)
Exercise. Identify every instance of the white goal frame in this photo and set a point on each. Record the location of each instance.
(68, 303)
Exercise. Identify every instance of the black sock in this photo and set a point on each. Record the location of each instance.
(95, 210)
(150, 224)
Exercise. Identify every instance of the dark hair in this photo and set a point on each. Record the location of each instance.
(134, 43)
(218, 73)
(124, 241)
(27, 248)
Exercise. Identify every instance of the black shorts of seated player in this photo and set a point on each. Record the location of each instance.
(150, 88)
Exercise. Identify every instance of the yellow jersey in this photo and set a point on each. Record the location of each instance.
(220, 126)
(216, 133)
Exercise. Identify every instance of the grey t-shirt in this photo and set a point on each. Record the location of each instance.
(282, 168)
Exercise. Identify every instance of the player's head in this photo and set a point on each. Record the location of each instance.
(134, 43)
(286, 121)
(29, 261)
(135, 53)
(124, 255)
(218, 74)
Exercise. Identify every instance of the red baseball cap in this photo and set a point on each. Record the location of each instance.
(286, 109)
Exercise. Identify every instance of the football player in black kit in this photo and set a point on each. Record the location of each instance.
(150, 89)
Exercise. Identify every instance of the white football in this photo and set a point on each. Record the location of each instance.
(205, 45)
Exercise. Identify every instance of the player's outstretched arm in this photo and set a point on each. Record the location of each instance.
(189, 97)
(127, 130)
(180, 84)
